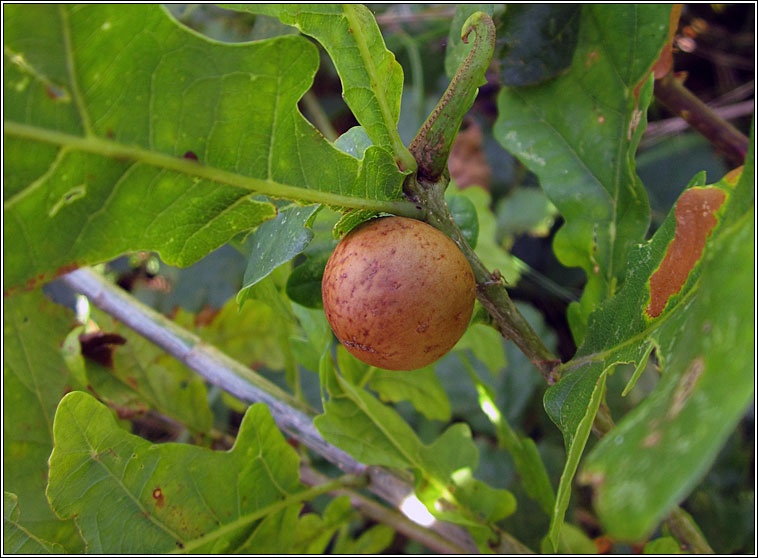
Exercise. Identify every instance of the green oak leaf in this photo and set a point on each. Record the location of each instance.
(704, 354)
(276, 242)
(578, 134)
(16, 538)
(314, 532)
(35, 377)
(375, 434)
(168, 159)
(421, 388)
(536, 42)
(140, 376)
(131, 496)
(372, 80)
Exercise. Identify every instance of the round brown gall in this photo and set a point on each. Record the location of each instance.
(398, 293)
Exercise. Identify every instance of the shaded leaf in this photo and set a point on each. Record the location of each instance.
(354, 142)
(420, 388)
(463, 212)
(524, 211)
(536, 42)
(142, 377)
(249, 335)
(572, 541)
(165, 496)
(16, 538)
(486, 344)
(578, 133)
(314, 532)
(352, 219)
(35, 377)
(276, 242)
(373, 540)
(663, 545)
(304, 283)
(492, 254)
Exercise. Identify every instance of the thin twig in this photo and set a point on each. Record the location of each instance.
(381, 514)
(490, 290)
(686, 531)
(291, 415)
(679, 100)
(670, 126)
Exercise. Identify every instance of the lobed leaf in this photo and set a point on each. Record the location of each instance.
(166, 160)
(355, 421)
(372, 80)
(578, 133)
(536, 42)
(131, 496)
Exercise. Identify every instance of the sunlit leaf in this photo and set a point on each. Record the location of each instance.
(372, 80)
(131, 496)
(167, 160)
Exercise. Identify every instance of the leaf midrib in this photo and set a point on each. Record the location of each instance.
(113, 149)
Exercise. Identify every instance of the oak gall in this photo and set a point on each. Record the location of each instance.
(398, 293)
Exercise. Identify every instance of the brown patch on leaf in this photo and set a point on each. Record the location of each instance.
(695, 220)
(99, 346)
(666, 59)
(592, 57)
(685, 387)
(158, 497)
(62, 270)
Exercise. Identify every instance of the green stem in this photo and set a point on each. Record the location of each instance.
(115, 150)
(489, 290)
(687, 533)
(304, 496)
(431, 146)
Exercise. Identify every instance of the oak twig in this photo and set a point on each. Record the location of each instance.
(490, 291)
(292, 416)
(679, 100)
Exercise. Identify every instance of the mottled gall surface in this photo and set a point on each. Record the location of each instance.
(398, 293)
